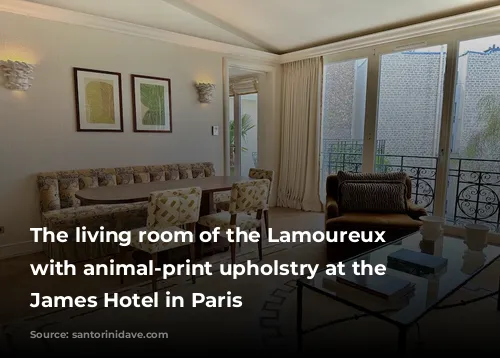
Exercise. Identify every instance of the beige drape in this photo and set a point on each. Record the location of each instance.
(298, 185)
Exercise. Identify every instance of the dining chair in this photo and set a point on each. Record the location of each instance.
(167, 211)
(247, 198)
(222, 199)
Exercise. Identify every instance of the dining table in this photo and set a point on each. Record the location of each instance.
(132, 193)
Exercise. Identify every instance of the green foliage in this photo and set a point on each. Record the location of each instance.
(153, 97)
(485, 143)
(246, 126)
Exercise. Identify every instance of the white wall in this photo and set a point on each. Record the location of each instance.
(38, 127)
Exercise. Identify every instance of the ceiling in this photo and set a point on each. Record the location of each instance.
(276, 26)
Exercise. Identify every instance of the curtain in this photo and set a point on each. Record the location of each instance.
(243, 85)
(298, 184)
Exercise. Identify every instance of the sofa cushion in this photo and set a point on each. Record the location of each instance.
(209, 169)
(67, 190)
(172, 172)
(360, 220)
(381, 197)
(157, 176)
(124, 178)
(87, 182)
(198, 170)
(142, 178)
(107, 179)
(48, 188)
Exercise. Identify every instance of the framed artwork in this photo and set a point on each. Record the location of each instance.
(151, 104)
(98, 96)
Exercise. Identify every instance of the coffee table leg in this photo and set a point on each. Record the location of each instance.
(498, 298)
(402, 341)
(299, 317)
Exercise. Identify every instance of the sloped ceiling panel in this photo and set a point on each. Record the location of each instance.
(152, 13)
(288, 25)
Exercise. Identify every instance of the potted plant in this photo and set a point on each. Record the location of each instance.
(246, 126)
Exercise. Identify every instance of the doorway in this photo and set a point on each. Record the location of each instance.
(243, 120)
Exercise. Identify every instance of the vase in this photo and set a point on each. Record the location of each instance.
(432, 227)
(476, 236)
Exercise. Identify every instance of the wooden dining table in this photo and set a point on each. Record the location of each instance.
(121, 194)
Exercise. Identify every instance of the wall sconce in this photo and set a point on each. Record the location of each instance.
(17, 74)
(205, 92)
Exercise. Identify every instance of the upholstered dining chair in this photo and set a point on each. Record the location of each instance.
(222, 200)
(246, 197)
(167, 211)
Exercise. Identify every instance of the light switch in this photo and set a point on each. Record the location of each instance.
(215, 130)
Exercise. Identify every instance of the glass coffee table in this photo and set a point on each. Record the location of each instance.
(430, 290)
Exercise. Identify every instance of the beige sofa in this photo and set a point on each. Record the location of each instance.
(61, 210)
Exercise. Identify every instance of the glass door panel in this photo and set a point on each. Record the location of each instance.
(248, 125)
(232, 163)
(342, 129)
(473, 189)
(410, 102)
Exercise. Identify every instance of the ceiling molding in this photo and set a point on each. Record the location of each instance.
(45, 12)
(202, 15)
(479, 17)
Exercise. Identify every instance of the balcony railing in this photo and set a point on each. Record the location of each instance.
(473, 188)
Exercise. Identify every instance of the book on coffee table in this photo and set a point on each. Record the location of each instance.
(417, 263)
(375, 302)
(386, 286)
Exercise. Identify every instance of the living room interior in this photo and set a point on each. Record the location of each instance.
(380, 116)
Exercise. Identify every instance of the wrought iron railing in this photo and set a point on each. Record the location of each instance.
(473, 187)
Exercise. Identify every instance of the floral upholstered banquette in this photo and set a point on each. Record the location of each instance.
(61, 210)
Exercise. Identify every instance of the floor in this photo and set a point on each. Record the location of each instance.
(17, 280)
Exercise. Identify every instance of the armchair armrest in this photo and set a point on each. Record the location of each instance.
(331, 208)
(415, 211)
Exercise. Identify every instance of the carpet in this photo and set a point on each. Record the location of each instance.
(266, 320)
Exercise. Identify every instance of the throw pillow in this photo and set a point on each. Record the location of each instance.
(347, 176)
(107, 179)
(380, 197)
(142, 178)
(157, 176)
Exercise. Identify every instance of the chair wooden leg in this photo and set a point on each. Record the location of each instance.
(192, 250)
(266, 220)
(233, 253)
(261, 232)
(154, 258)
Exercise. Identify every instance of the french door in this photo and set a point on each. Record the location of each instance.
(473, 175)
(343, 117)
(409, 119)
(431, 109)
(243, 118)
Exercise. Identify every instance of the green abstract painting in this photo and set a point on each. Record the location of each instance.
(152, 104)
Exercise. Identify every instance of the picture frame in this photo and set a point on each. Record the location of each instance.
(98, 100)
(151, 104)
